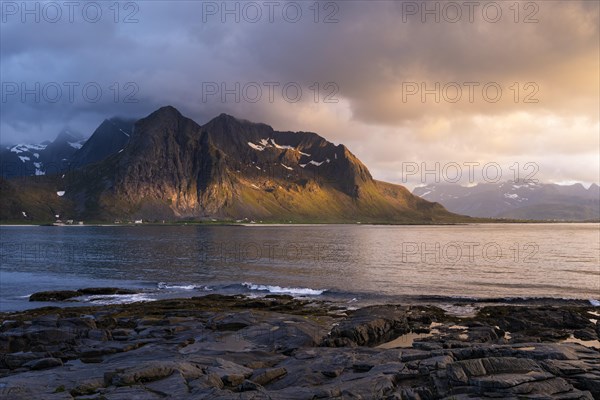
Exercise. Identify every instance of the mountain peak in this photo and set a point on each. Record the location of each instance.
(109, 138)
(166, 111)
(241, 130)
(230, 119)
(166, 118)
(67, 135)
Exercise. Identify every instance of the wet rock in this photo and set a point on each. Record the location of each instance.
(19, 359)
(87, 387)
(546, 323)
(122, 333)
(249, 386)
(585, 334)
(232, 322)
(231, 374)
(369, 387)
(54, 295)
(146, 373)
(233, 379)
(304, 393)
(77, 323)
(284, 337)
(48, 336)
(174, 386)
(589, 381)
(129, 393)
(462, 371)
(370, 326)
(210, 380)
(506, 376)
(362, 367)
(481, 334)
(332, 373)
(264, 377)
(105, 291)
(101, 335)
(50, 321)
(186, 349)
(284, 297)
(44, 363)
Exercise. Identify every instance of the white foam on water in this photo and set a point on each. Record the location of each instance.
(164, 285)
(284, 290)
(595, 303)
(117, 298)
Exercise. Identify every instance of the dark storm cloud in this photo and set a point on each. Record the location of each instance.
(176, 48)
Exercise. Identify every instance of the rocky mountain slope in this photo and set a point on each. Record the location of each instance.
(40, 159)
(520, 200)
(109, 138)
(231, 169)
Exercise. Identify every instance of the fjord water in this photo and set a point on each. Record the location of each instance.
(344, 262)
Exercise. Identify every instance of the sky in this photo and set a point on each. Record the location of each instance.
(422, 92)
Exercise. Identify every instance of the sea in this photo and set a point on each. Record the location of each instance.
(354, 265)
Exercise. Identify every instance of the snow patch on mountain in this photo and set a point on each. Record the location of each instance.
(270, 143)
(21, 148)
(76, 145)
(256, 146)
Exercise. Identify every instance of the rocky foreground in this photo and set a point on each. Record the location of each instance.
(225, 347)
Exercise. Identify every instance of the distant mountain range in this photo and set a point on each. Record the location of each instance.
(167, 167)
(37, 159)
(518, 200)
(67, 152)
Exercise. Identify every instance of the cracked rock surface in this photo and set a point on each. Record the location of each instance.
(277, 347)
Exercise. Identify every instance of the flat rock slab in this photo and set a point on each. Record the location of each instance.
(223, 347)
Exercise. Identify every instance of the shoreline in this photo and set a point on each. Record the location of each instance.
(477, 221)
(99, 296)
(281, 347)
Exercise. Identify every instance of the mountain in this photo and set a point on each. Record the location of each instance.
(109, 138)
(31, 199)
(40, 159)
(520, 200)
(172, 168)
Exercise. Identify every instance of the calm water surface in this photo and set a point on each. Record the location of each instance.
(346, 262)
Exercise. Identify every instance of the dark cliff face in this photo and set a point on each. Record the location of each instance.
(171, 160)
(109, 138)
(173, 168)
(198, 170)
(291, 155)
